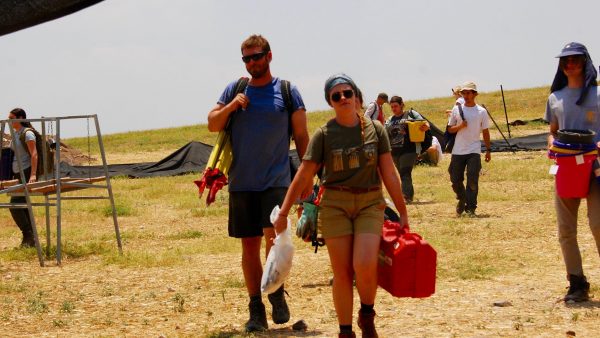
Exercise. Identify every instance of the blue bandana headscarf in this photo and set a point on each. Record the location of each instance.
(589, 71)
(337, 79)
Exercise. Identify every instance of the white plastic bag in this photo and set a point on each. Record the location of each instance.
(279, 262)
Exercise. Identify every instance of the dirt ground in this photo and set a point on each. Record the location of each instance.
(140, 302)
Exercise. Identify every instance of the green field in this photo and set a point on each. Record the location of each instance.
(526, 104)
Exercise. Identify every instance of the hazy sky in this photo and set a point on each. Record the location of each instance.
(147, 64)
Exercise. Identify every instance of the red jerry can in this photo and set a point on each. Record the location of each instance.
(407, 263)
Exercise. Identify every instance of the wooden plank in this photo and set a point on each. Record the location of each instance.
(65, 187)
(8, 183)
(49, 186)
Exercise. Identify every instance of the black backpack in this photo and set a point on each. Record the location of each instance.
(450, 138)
(45, 153)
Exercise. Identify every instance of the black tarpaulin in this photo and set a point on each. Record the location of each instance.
(190, 158)
(20, 14)
(531, 142)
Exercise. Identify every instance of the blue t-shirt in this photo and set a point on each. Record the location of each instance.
(260, 138)
(561, 108)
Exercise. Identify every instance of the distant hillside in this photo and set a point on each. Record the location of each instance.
(522, 104)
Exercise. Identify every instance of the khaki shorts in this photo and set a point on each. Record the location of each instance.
(344, 213)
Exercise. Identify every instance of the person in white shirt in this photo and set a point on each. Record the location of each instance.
(466, 153)
(458, 97)
(375, 109)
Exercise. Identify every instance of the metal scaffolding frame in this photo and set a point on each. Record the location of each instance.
(53, 186)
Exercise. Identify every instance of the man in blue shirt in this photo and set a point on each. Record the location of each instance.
(260, 171)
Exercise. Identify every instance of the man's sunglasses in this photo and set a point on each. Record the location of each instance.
(253, 57)
(337, 96)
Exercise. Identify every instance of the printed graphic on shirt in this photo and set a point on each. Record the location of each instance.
(350, 158)
(370, 153)
(337, 159)
(353, 160)
(396, 131)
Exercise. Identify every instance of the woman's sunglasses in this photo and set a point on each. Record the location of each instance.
(253, 57)
(337, 96)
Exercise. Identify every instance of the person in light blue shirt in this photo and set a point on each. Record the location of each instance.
(574, 103)
(260, 171)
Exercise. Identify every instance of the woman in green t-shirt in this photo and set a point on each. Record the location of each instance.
(354, 153)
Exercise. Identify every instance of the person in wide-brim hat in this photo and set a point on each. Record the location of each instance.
(574, 104)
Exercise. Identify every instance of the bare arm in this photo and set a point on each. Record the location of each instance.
(218, 116)
(300, 131)
(553, 131)
(34, 160)
(303, 177)
(301, 138)
(486, 141)
(391, 180)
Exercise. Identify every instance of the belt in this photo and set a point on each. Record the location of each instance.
(352, 190)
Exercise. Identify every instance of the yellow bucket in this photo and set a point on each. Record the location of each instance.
(414, 133)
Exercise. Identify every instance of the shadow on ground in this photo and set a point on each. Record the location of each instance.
(592, 304)
(282, 332)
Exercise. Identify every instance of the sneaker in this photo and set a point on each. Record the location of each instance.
(258, 317)
(281, 312)
(470, 213)
(460, 207)
(347, 335)
(579, 289)
(366, 322)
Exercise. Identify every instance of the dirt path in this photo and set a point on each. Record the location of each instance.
(107, 300)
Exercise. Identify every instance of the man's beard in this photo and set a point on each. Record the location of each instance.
(258, 72)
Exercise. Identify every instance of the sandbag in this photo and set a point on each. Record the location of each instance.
(279, 261)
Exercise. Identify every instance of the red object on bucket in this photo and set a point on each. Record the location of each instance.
(407, 263)
(573, 175)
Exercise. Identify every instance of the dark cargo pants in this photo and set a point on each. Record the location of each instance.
(21, 215)
(472, 164)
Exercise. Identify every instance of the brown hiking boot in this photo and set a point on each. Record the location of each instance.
(366, 322)
(258, 317)
(347, 335)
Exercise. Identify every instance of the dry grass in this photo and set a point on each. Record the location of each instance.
(180, 274)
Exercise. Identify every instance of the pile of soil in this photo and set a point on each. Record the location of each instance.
(68, 154)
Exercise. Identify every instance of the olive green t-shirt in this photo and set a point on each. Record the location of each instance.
(347, 161)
